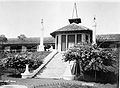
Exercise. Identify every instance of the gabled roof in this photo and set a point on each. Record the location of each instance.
(70, 28)
(108, 38)
(31, 40)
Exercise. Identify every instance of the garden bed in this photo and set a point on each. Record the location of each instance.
(16, 65)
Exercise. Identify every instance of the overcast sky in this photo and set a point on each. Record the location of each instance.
(24, 17)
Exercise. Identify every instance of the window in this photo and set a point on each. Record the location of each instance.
(71, 40)
(63, 43)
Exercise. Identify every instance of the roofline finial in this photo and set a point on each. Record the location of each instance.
(75, 9)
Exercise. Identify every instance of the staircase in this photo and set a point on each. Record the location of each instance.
(54, 69)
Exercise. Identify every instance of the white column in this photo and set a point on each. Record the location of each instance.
(59, 42)
(94, 30)
(94, 35)
(66, 42)
(83, 37)
(75, 38)
(41, 46)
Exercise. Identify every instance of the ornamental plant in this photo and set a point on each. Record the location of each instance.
(18, 62)
(92, 58)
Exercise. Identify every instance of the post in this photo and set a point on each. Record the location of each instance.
(94, 31)
(68, 74)
(41, 46)
(26, 74)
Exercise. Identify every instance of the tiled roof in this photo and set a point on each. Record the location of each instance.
(73, 27)
(108, 37)
(70, 28)
(31, 40)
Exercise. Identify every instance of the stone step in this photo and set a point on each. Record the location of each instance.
(54, 69)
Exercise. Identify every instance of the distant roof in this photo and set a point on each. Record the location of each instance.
(108, 37)
(70, 28)
(31, 40)
(49, 40)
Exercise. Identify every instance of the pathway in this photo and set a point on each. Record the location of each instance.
(54, 69)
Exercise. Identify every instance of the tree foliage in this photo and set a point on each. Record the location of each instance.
(22, 37)
(2, 40)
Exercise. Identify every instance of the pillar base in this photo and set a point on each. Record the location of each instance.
(41, 48)
(69, 77)
(25, 76)
(67, 74)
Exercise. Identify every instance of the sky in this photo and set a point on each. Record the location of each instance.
(24, 16)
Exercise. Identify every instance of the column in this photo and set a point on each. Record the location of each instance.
(75, 38)
(83, 37)
(59, 42)
(41, 46)
(66, 42)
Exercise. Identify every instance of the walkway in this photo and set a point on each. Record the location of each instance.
(54, 69)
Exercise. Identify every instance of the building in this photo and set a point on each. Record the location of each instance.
(27, 44)
(70, 35)
(108, 40)
(31, 44)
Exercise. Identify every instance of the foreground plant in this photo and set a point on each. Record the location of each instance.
(92, 58)
(17, 62)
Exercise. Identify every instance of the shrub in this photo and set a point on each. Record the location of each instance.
(92, 59)
(17, 62)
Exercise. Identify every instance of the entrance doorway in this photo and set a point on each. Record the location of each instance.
(71, 40)
(63, 43)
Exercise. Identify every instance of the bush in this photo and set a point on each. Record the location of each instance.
(93, 61)
(16, 62)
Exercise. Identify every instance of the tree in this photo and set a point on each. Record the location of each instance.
(92, 58)
(2, 40)
(22, 37)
